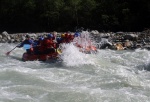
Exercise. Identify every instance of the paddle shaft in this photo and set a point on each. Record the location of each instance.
(11, 50)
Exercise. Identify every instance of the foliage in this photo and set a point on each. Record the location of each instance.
(66, 15)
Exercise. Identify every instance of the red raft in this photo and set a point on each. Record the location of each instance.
(42, 57)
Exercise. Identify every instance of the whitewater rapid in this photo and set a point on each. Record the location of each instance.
(108, 76)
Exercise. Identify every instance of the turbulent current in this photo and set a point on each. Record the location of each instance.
(108, 76)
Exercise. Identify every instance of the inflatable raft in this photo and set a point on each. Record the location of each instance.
(42, 57)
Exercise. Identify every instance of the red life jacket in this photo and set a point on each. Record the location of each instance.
(47, 43)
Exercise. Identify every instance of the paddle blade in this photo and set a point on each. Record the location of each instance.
(8, 53)
(59, 51)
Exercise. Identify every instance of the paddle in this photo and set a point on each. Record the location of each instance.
(59, 51)
(11, 50)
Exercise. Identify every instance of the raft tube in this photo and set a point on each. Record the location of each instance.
(43, 57)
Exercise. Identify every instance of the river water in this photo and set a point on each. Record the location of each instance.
(108, 76)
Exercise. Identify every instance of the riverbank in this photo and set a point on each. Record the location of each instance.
(17, 37)
(103, 40)
(122, 40)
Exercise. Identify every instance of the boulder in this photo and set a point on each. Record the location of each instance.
(4, 34)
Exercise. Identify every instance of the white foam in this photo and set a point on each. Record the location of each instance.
(71, 56)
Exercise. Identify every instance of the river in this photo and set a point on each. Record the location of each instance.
(108, 76)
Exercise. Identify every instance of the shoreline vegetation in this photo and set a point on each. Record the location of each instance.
(63, 15)
(103, 40)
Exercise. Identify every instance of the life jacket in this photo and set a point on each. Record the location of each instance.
(27, 45)
(46, 44)
(27, 41)
(67, 38)
(53, 38)
(63, 40)
(42, 46)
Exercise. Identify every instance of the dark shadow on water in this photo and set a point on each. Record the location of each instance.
(144, 67)
(54, 63)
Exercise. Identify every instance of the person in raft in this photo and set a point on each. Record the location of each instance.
(27, 45)
(48, 46)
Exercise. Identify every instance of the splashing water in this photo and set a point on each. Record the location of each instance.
(84, 40)
(71, 56)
